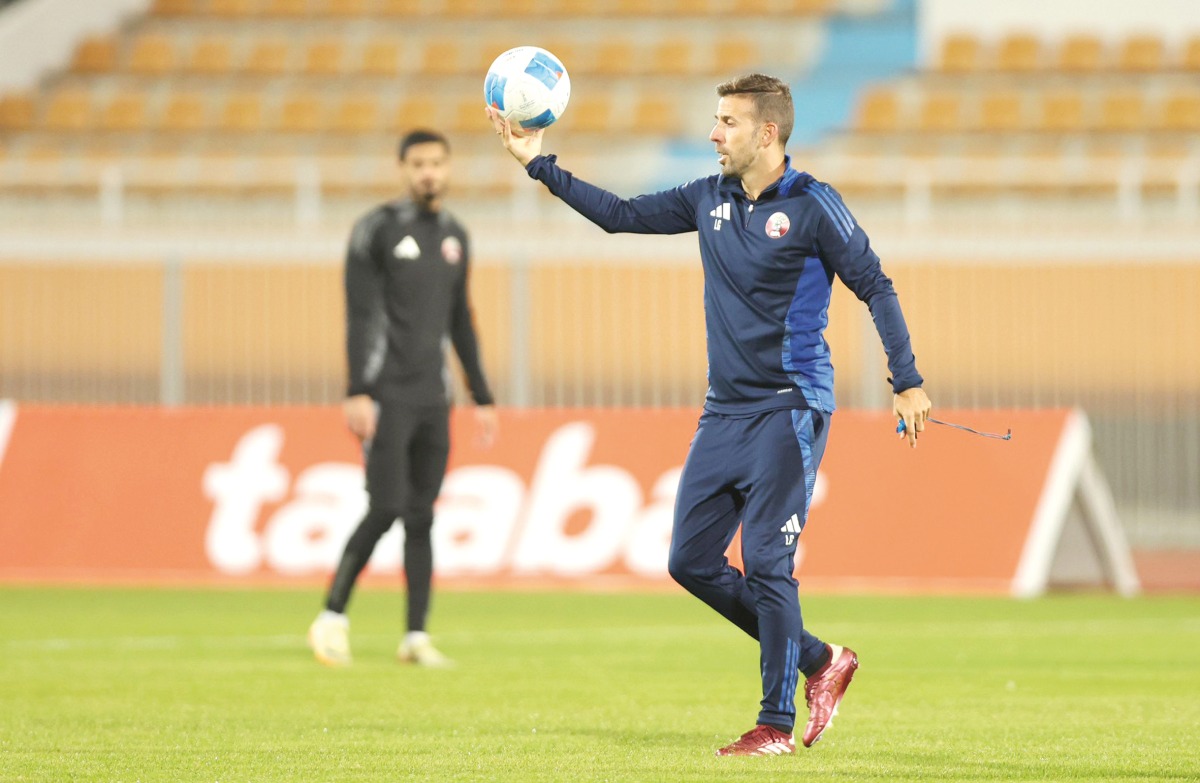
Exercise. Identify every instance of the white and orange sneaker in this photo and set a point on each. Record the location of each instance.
(329, 638)
(418, 649)
(760, 741)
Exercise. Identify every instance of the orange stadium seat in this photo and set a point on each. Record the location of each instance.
(212, 55)
(268, 57)
(817, 7)
(233, 9)
(415, 111)
(346, 8)
(440, 57)
(286, 8)
(941, 111)
(125, 112)
(615, 57)
(1142, 53)
(655, 113)
(381, 57)
(672, 57)
(69, 109)
(16, 112)
(1181, 112)
(961, 53)
(590, 113)
(356, 114)
(174, 7)
(185, 111)
(242, 113)
(95, 55)
(152, 54)
(468, 115)
(1019, 52)
(732, 55)
(1062, 110)
(1081, 53)
(1123, 110)
(400, 7)
(302, 112)
(1001, 110)
(323, 58)
(878, 110)
(1191, 54)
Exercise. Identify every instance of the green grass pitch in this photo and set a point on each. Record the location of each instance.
(217, 685)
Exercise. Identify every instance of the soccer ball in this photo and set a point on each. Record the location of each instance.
(527, 86)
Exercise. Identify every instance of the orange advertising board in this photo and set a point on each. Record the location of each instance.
(565, 496)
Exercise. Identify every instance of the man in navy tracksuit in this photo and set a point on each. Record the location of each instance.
(771, 240)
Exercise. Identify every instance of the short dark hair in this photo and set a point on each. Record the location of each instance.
(772, 99)
(421, 136)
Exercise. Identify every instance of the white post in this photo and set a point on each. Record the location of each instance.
(112, 196)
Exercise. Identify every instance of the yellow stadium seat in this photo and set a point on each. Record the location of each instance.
(345, 8)
(878, 110)
(750, 7)
(672, 57)
(356, 114)
(211, 56)
(16, 112)
(1181, 112)
(185, 111)
(468, 9)
(125, 112)
(440, 57)
(1019, 52)
(1000, 110)
(1062, 110)
(1191, 54)
(268, 57)
(590, 113)
(416, 111)
(323, 58)
(301, 113)
(1142, 53)
(814, 7)
(152, 54)
(1123, 110)
(286, 8)
(615, 57)
(656, 114)
(468, 116)
(68, 110)
(518, 7)
(173, 7)
(233, 9)
(400, 7)
(732, 55)
(941, 111)
(242, 113)
(381, 58)
(95, 55)
(1081, 53)
(961, 53)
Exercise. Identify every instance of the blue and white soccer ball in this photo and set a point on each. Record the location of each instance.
(529, 87)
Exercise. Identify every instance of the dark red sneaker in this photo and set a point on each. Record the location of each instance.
(824, 691)
(760, 741)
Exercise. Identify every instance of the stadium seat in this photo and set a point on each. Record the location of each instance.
(878, 111)
(1019, 52)
(242, 113)
(68, 110)
(468, 116)
(940, 111)
(301, 112)
(233, 9)
(654, 113)
(590, 113)
(1062, 110)
(16, 112)
(323, 58)
(352, 9)
(961, 53)
(286, 8)
(440, 57)
(615, 57)
(173, 7)
(1123, 110)
(152, 54)
(211, 56)
(95, 55)
(732, 55)
(415, 111)
(125, 112)
(1081, 53)
(268, 57)
(400, 7)
(1191, 54)
(381, 57)
(1181, 112)
(672, 57)
(1001, 110)
(1142, 53)
(356, 114)
(185, 111)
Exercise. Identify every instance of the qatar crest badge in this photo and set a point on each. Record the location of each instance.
(452, 250)
(778, 225)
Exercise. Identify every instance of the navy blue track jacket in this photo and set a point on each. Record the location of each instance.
(768, 274)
